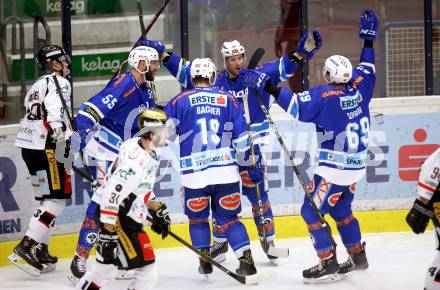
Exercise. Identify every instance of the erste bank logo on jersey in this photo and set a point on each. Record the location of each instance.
(214, 99)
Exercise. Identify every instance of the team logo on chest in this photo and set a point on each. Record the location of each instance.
(197, 204)
(231, 201)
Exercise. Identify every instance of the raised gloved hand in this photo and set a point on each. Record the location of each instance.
(161, 220)
(157, 45)
(418, 217)
(309, 44)
(369, 25)
(253, 79)
(107, 247)
(57, 131)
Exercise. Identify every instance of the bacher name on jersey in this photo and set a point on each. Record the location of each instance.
(211, 127)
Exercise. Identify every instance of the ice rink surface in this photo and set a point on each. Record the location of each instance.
(398, 261)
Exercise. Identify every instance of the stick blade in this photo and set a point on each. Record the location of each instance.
(256, 57)
(260, 276)
(278, 252)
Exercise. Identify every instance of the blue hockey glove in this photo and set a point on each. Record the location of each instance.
(369, 25)
(309, 44)
(251, 176)
(253, 79)
(157, 45)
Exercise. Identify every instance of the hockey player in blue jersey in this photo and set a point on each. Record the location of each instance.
(212, 131)
(103, 123)
(339, 109)
(234, 57)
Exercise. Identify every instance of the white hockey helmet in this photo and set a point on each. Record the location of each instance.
(339, 69)
(231, 48)
(144, 53)
(204, 68)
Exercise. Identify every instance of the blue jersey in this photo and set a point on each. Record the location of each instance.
(278, 71)
(112, 115)
(211, 127)
(342, 120)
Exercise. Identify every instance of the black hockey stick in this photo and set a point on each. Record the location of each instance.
(295, 169)
(141, 18)
(252, 279)
(272, 251)
(150, 25)
(70, 119)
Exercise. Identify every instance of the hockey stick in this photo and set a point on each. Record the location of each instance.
(70, 119)
(252, 279)
(141, 18)
(144, 30)
(272, 251)
(295, 169)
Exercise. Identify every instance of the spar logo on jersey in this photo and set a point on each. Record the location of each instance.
(197, 204)
(333, 199)
(230, 202)
(217, 100)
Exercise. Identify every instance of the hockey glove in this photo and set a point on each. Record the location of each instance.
(369, 25)
(309, 44)
(157, 45)
(251, 176)
(253, 79)
(161, 220)
(107, 247)
(57, 132)
(418, 217)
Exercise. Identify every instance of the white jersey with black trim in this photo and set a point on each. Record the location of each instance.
(133, 172)
(429, 177)
(43, 106)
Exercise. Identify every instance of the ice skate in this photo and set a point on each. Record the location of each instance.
(266, 246)
(355, 262)
(25, 258)
(45, 258)
(205, 267)
(78, 269)
(218, 251)
(125, 274)
(247, 266)
(325, 271)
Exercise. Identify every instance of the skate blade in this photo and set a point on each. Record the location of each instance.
(324, 279)
(278, 252)
(125, 275)
(17, 261)
(73, 279)
(48, 268)
(260, 276)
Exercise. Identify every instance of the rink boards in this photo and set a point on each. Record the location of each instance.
(404, 131)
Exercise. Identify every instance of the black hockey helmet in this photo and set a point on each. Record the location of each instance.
(51, 52)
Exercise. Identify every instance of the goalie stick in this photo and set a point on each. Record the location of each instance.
(143, 29)
(251, 279)
(295, 169)
(272, 251)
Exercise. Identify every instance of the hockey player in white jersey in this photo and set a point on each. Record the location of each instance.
(426, 207)
(125, 199)
(43, 126)
(103, 123)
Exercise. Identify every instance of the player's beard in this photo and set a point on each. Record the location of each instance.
(149, 76)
